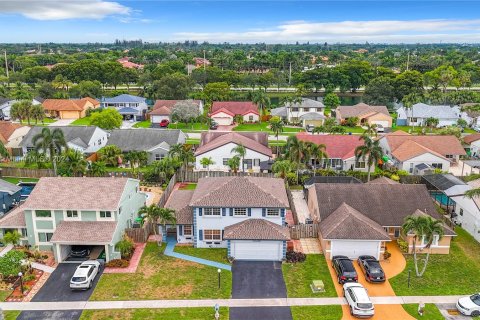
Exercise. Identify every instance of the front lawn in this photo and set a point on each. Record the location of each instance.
(153, 314)
(431, 311)
(44, 122)
(162, 277)
(450, 274)
(354, 129)
(299, 276)
(4, 294)
(85, 121)
(16, 180)
(11, 314)
(317, 312)
(192, 141)
(264, 127)
(216, 254)
(143, 124)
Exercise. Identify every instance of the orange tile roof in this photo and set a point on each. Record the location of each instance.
(410, 149)
(6, 129)
(68, 104)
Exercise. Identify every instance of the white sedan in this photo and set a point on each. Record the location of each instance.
(358, 300)
(85, 275)
(469, 306)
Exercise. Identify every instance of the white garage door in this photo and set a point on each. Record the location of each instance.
(223, 121)
(353, 249)
(256, 250)
(384, 124)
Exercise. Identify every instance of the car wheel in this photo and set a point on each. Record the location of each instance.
(475, 313)
(90, 285)
(351, 311)
(339, 281)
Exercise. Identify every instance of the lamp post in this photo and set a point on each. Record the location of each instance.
(219, 272)
(21, 282)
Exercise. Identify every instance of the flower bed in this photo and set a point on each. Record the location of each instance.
(29, 281)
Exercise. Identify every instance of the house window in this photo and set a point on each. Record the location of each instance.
(43, 213)
(105, 214)
(225, 161)
(411, 168)
(24, 233)
(437, 165)
(211, 211)
(247, 163)
(212, 234)
(72, 214)
(449, 156)
(396, 233)
(461, 212)
(187, 230)
(360, 164)
(44, 236)
(294, 109)
(273, 212)
(99, 141)
(434, 242)
(158, 156)
(250, 118)
(240, 212)
(256, 162)
(413, 119)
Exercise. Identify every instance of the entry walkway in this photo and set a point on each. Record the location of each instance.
(169, 252)
(7, 248)
(42, 267)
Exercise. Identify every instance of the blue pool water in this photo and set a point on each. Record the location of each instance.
(443, 199)
(27, 188)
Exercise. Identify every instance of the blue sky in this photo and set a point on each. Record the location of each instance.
(240, 21)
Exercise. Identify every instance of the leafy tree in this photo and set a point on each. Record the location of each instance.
(164, 169)
(61, 82)
(352, 122)
(380, 91)
(207, 162)
(86, 89)
(36, 74)
(183, 154)
(370, 152)
(46, 90)
(217, 91)
(408, 82)
(126, 246)
(111, 155)
(185, 111)
(12, 237)
(51, 143)
(174, 86)
(11, 263)
(261, 99)
(282, 167)
(3, 151)
(73, 163)
(136, 159)
(22, 110)
(234, 163)
(107, 119)
(240, 151)
(462, 123)
(97, 169)
(331, 101)
(431, 122)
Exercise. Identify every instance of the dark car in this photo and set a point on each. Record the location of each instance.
(164, 123)
(372, 269)
(80, 251)
(213, 125)
(344, 268)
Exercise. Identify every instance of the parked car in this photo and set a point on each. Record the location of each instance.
(85, 275)
(469, 306)
(164, 123)
(213, 125)
(358, 300)
(372, 269)
(309, 127)
(380, 128)
(80, 251)
(344, 268)
(476, 128)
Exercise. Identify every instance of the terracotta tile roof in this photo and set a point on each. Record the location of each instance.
(179, 201)
(410, 149)
(383, 180)
(6, 130)
(68, 104)
(162, 111)
(84, 232)
(471, 138)
(15, 218)
(53, 193)
(223, 110)
(237, 138)
(347, 223)
(361, 110)
(243, 192)
(337, 146)
(256, 229)
(235, 107)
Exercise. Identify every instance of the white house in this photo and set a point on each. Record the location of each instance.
(130, 107)
(420, 112)
(162, 109)
(6, 105)
(218, 146)
(472, 141)
(225, 112)
(308, 112)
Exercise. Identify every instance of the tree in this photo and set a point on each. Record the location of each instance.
(261, 99)
(73, 164)
(295, 151)
(3, 151)
(136, 159)
(241, 152)
(425, 229)
(462, 123)
(37, 113)
(107, 119)
(370, 130)
(21, 110)
(111, 155)
(12, 237)
(234, 163)
(380, 91)
(97, 169)
(370, 152)
(217, 91)
(431, 123)
(11, 263)
(408, 82)
(331, 101)
(61, 82)
(207, 162)
(184, 156)
(283, 167)
(126, 246)
(185, 111)
(51, 143)
(352, 122)
(276, 125)
(318, 153)
(151, 214)
(174, 86)
(86, 89)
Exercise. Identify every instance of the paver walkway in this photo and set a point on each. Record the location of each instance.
(300, 205)
(169, 252)
(7, 248)
(43, 267)
(134, 261)
(310, 245)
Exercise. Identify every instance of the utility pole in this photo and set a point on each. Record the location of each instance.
(6, 63)
(408, 59)
(290, 74)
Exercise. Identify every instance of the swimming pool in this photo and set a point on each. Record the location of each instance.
(443, 199)
(27, 188)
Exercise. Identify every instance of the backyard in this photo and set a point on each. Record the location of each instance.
(418, 129)
(44, 122)
(147, 314)
(16, 180)
(85, 121)
(162, 277)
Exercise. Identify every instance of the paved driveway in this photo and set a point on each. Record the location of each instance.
(62, 122)
(255, 279)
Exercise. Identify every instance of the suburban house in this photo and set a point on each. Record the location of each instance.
(471, 113)
(201, 62)
(86, 139)
(306, 112)
(126, 63)
(156, 142)
(420, 112)
(218, 146)
(340, 150)
(361, 219)
(225, 112)
(419, 154)
(7, 128)
(365, 113)
(472, 143)
(130, 107)
(69, 108)
(10, 196)
(244, 214)
(162, 109)
(91, 212)
(14, 140)
(6, 105)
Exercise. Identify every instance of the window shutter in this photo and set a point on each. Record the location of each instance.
(180, 230)
(200, 211)
(200, 234)
(249, 212)
(222, 233)
(224, 212)
(264, 212)
(231, 212)
(282, 212)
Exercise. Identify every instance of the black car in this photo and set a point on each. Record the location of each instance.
(344, 268)
(80, 251)
(372, 269)
(213, 125)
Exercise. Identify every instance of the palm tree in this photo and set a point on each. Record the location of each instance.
(74, 163)
(3, 151)
(60, 82)
(184, 155)
(136, 159)
(277, 128)
(370, 152)
(207, 162)
(282, 168)
(110, 155)
(98, 169)
(318, 153)
(51, 143)
(431, 123)
(371, 130)
(425, 228)
(295, 153)
(165, 168)
(20, 110)
(234, 164)
(37, 113)
(151, 214)
(261, 99)
(240, 151)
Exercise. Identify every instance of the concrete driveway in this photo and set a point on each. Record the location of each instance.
(258, 279)
(62, 122)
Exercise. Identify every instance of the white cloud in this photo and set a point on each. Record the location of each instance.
(64, 9)
(388, 31)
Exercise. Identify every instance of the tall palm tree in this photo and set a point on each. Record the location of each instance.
(282, 168)
(371, 130)
(318, 153)
(241, 152)
(234, 163)
(184, 155)
(295, 151)
(207, 162)
(74, 163)
(111, 155)
(151, 214)
(20, 110)
(51, 143)
(370, 152)
(136, 159)
(425, 229)
(261, 99)
(277, 127)
(37, 113)
(98, 169)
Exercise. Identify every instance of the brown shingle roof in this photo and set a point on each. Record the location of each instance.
(410, 149)
(361, 110)
(383, 180)
(14, 219)
(237, 138)
(347, 223)
(179, 201)
(170, 103)
(244, 192)
(162, 111)
(84, 232)
(471, 138)
(440, 144)
(256, 229)
(51, 193)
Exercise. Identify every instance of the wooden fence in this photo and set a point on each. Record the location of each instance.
(194, 176)
(300, 231)
(140, 235)
(39, 173)
(292, 205)
(168, 190)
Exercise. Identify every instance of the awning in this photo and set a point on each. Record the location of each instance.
(84, 232)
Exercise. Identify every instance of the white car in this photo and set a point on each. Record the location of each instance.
(84, 275)
(380, 128)
(358, 300)
(469, 306)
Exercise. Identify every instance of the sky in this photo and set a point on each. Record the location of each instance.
(278, 21)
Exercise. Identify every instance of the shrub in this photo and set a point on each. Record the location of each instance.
(294, 257)
(291, 178)
(403, 245)
(117, 263)
(29, 277)
(386, 254)
(125, 246)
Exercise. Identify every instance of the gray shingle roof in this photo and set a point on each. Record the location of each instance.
(256, 229)
(8, 187)
(15, 218)
(143, 139)
(243, 192)
(279, 112)
(179, 201)
(71, 134)
(84, 232)
(124, 98)
(307, 103)
(312, 116)
(422, 110)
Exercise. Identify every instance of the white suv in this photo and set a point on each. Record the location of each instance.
(469, 306)
(84, 275)
(358, 300)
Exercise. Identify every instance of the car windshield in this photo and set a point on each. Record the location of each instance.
(364, 305)
(350, 274)
(476, 299)
(78, 279)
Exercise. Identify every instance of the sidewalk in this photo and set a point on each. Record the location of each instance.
(42, 267)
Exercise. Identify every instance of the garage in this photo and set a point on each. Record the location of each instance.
(312, 118)
(256, 250)
(355, 248)
(383, 123)
(93, 252)
(223, 121)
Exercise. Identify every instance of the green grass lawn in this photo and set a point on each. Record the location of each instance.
(143, 124)
(11, 314)
(317, 312)
(192, 141)
(16, 180)
(4, 294)
(264, 127)
(153, 314)
(217, 254)
(85, 121)
(196, 126)
(450, 274)
(45, 122)
(431, 311)
(418, 129)
(189, 186)
(275, 143)
(299, 276)
(354, 129)
(162, 277)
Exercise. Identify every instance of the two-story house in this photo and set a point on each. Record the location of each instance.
(244, 214)
(62, 212)
(306, 112)
(130, 107)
